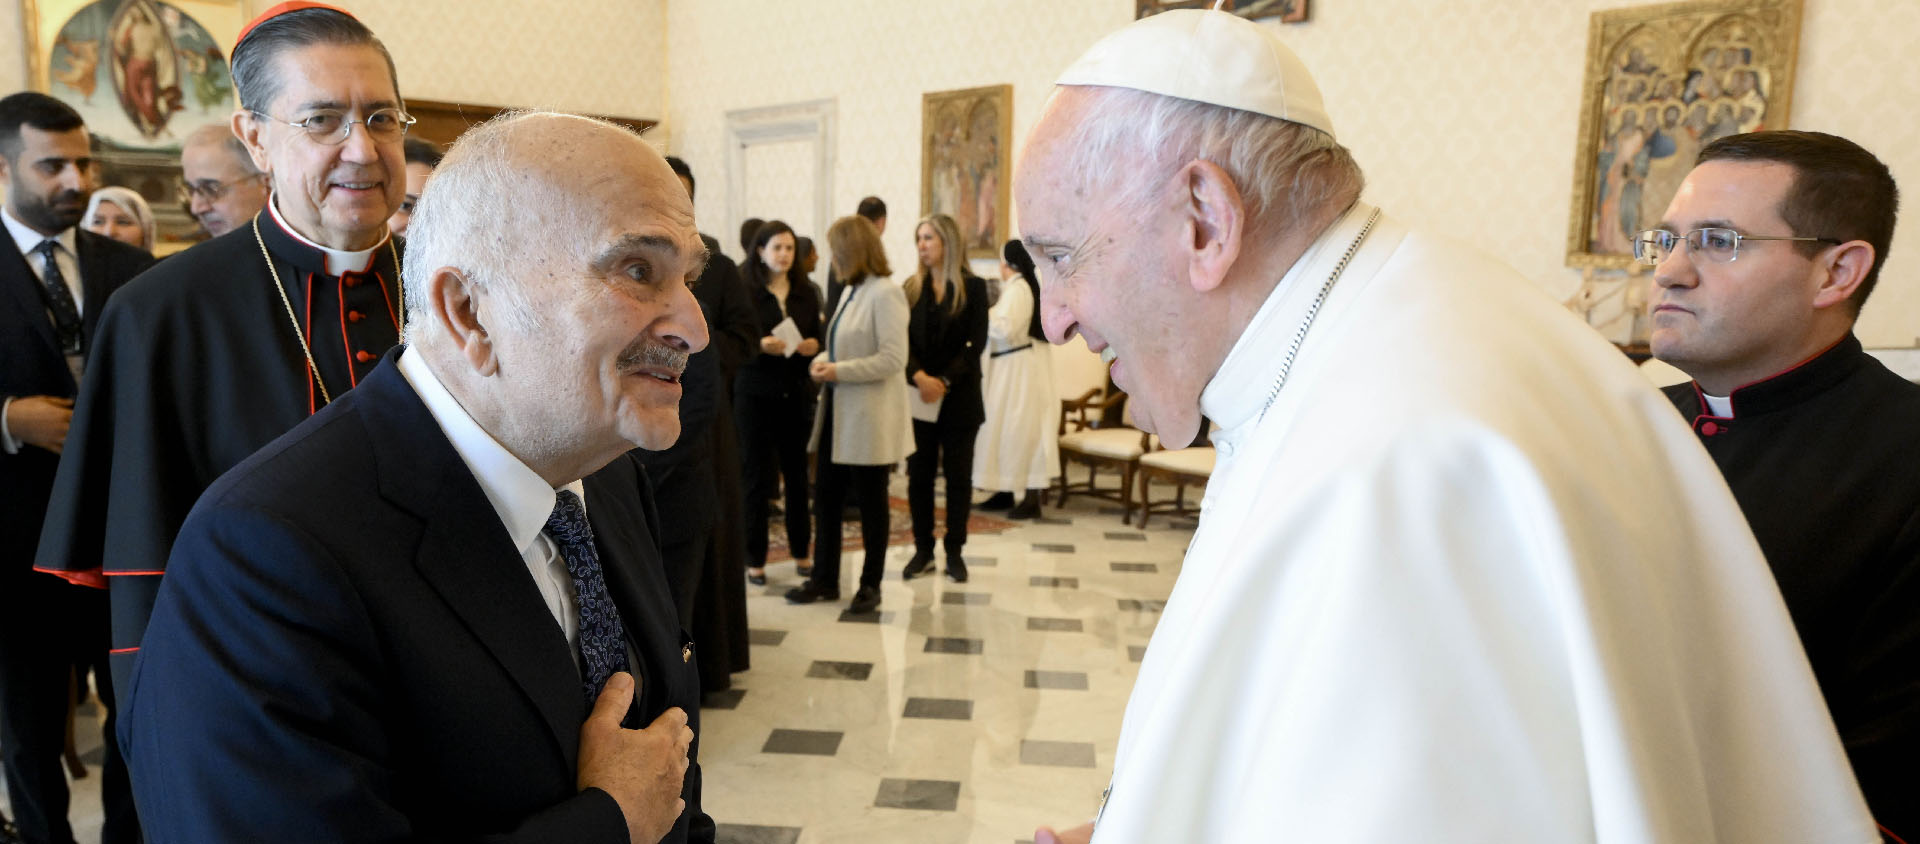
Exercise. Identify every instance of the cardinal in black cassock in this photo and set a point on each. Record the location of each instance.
(197, 364)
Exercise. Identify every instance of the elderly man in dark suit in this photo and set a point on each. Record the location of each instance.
(53, 283)
(401, 620)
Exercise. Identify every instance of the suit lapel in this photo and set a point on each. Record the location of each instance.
(18, 289)
(465, 553)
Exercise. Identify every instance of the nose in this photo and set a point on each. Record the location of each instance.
(77, 177)
(1675, 269)
(1055, 319)
(199, 204)
(685, 324)
(359, 146)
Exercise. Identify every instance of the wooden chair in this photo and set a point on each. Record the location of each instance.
(1086, 441)
(1182, 468)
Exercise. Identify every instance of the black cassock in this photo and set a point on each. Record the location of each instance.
(1825, 462)
(195, 366)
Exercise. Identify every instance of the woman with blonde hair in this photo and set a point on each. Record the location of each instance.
(121, 214)
(860, 426)
(945, 335)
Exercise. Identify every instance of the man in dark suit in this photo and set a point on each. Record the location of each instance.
(400, 620)
(54, 278)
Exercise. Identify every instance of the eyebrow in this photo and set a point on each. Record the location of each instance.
(629, 245)
(335, 105)
(1700, 224)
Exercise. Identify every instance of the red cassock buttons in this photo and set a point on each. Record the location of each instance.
(363, 356)
(351, 280)
(1709, 428)
(355, 316)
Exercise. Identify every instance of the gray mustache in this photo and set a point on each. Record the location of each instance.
(651, 355)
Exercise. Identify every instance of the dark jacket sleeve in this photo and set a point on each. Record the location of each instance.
(965, 365)
(259, 632)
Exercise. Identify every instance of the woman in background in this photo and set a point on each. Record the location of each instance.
(861, 426)
(121, 214)
(772, 397)
(1019, 446)
(947, 331)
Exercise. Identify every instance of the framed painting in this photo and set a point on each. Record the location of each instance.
(1662, 82)
(964, 162)
(143, 74)
(1287, 11)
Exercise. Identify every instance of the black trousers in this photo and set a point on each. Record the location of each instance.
(832, 484)
(773, 435)
(44, 621)
(947, 447)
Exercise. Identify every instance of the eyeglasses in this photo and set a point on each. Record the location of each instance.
(209, 189)
(330, 126)
(1720, 246)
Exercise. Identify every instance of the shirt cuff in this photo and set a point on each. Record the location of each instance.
(7, 444)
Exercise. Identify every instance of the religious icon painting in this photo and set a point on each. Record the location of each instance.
(1285, 11)
(143, 74)
(1662, 82)
(964, 163)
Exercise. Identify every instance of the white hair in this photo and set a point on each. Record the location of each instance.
(1288, 173)
(494, 218)
(130, 202)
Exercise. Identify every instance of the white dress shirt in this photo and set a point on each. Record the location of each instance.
(521, 498)
(68, 257)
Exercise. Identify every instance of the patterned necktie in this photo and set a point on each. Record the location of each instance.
(66, 315)
(603, 643)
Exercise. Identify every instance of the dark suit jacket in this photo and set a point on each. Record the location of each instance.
(348, 647)
(948, 345)
(31, 365)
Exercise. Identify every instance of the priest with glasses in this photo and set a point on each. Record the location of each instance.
(230, 344)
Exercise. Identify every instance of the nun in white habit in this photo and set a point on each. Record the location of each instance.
(1017, 452)
(1461, 575)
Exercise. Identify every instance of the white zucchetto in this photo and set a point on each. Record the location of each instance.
(1206, 56)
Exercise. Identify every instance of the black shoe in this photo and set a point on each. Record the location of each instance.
(757, 579)
(956, 568)
(996, 501)
(866, 599)
(1029, 508)
(808, 592)
(922, 563)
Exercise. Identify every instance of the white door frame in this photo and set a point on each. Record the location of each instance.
(811, 122)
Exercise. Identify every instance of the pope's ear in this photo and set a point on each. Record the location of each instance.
(246, 127)
(1216, 220)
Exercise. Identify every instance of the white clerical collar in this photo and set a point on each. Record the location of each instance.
(338, 261)
(1240, 389)
(1721, 406)
(28, 239)
(518, 494)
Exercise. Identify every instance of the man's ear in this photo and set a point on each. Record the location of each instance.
(246, 127)
(1216, 221)
(1846, 266)
(455, 311)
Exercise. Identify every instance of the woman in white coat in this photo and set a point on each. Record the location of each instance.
(862, 425)
(1019, 446)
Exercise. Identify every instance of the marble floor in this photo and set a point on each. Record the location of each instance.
(958, 713)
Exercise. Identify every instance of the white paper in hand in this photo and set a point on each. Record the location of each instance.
(788, 333)
(924, 411)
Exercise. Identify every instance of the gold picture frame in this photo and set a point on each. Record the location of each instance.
(1285, 11)
(1661, 82)
(143, 74)
(964, 161)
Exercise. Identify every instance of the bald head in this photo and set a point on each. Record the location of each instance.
(224, 189)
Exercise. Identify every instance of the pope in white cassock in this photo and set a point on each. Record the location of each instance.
(1461, 574)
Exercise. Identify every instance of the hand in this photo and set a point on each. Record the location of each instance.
(40, 420)
(808, 347)
(931, 389)
(772, 345)
(644, 770)
(1078, 835)
(823, 371)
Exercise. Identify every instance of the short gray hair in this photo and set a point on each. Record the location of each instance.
(490, 216)
(1289, 174)
(254, 75)
(222, 134)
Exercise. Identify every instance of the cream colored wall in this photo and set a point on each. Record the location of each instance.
(13, 33)
(1463, 113)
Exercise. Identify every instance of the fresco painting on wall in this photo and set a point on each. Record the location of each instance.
(1662, 82)
(1287, 11)
(963, 164)
(143, 74)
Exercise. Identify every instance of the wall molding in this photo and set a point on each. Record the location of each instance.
(811, 122)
